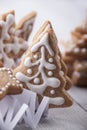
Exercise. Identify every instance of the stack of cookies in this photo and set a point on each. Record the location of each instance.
(41, 70)
(76, 56)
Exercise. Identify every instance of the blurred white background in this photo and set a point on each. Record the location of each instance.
(65, 15)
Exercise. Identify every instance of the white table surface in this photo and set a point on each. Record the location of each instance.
(65, 15)
(80, 96)
(73, 118)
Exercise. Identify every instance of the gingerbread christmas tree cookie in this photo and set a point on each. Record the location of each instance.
(13, 38)
(63, 66)
(8, 83)
(42, 69)
(76, 56)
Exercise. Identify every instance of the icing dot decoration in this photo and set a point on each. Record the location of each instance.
(17, 81)
(12, 78)
(50, 73)
(83, 50)
(36, 80)
(29, 71)
(3, 89)
(0, 91)
(21, 85)
(9, 72)
(85, 36)
(50, 60)
(13, 84)
(76, 50)
(52, 92)
(8, 84)
(36, 57)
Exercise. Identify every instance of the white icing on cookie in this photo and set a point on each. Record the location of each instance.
(9, 72)
(13, 84)
(77, 74)
(50, 60)
(17, 81)
(46, 29)
(57, 101)
(36, 80)
(36, 57)
(11, 77)
(47, 81)
(27, 26)
(52, 81)
(85, 36)
(52, 92)
(29, 71)
(50, 73)
(80, 41)
(3, 89)
(16, 46)
(42, 61)
(79, 65)
(8, 62)
(27, 62)
(76, 50)
(43, 42)
(83, 50)
(6, 48)
(1, 92)
(5, 26)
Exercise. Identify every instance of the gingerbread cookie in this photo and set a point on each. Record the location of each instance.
(63, 66)
(13, 38)
(79, 75)
(8, 83)
(77, 53)
(24, 27)
(42, 69)
(79, 35)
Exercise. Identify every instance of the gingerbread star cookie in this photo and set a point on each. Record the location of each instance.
(13, 38)
(42, 69)
(8, 83)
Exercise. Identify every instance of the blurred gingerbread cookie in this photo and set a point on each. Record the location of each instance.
(77, 53)
(8, 83)
(13, 38)
(79, 76)
(42, 69)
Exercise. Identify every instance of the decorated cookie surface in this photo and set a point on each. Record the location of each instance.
(9, 84)
(13, 38)
(42, 69)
